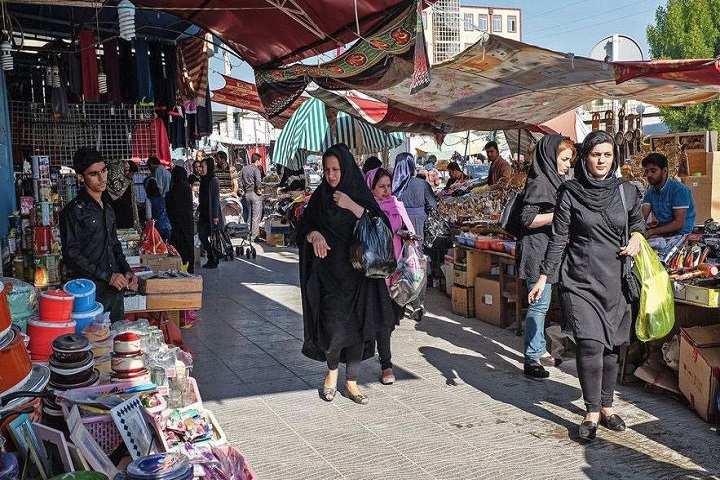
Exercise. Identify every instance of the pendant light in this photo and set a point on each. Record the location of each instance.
(126, 19)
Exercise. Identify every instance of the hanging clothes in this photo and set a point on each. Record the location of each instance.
(111, 67)
(162, 143)
(71, 65)
(204, 115)
(145, 90)
(192, 68)
(128, 82)
(88, 59)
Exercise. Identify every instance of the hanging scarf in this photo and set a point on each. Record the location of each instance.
(595, 194)
(403, 173)
(544, 180)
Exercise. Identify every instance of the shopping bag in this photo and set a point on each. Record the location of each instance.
(221, 244)
(372, 248)
(411, 274)
(152, 241)
(656, 313)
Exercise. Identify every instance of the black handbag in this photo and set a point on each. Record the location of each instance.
(372, 250)
(631, 285)
(510, 217)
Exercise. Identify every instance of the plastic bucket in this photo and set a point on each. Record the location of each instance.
(55, 306)
(84, 292)
(83, 319)
(42, 335)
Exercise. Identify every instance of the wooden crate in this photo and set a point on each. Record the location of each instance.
(463, 301)
(170, 285)
(174, 301)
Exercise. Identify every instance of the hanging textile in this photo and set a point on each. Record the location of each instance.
(71, 65)
(162, 144)
(88, 59)
(128, 82)
(142, 64)
(7, 179)
(111, 67)
(421, 63)
(204, 115)
(192, 68)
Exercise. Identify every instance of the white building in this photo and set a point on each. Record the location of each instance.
(451, 27)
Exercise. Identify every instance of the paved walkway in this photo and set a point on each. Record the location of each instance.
(461, 408)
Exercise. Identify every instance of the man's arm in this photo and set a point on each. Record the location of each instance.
(646, 210)
(677, 223)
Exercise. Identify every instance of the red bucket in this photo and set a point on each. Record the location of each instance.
(42, 335)
(55, 306)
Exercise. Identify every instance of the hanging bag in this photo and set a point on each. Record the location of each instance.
(656, 312)
(630, 283)
(372, 248)
(510, 216)
(407, 282)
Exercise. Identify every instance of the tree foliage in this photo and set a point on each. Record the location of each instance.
(688, 29)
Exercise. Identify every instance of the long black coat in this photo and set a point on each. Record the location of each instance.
(178, 202)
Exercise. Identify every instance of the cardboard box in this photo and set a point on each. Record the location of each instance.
(463, 301)
(460, 276)
(706, 205)
(161, 263)
(487, 301)
(708, 297)
(134, 303)
(276, 226)
(275, 239)
(700, 368)
(152, 285)
(174, 301)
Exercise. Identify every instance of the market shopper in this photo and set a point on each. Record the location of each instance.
(342, 308)
(160, 174)
(179, 203)
(227, 175)
(670, 202)
(379, 181)
(371, 164)
(155, 209)
(500, 170)
(551, 162)
(414, 192)
(588, 245)
(208, 208)
(251, 179)
(90, 244)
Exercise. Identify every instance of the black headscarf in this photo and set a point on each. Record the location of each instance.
(207, 178)
(544, 180)
(595, 194)
(179, 175)
(371, 164)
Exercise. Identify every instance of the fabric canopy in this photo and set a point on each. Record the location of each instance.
(500, 83)
(267, 33)
(309, 132)
(241, 94)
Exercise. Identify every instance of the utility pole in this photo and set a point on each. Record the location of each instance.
(229, 120)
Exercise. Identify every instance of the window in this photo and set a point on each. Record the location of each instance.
(468, 18)
(511, 24)
(497, 23)
(482, 22)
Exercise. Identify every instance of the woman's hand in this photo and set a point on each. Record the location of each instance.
(537, 290)
(342, 200)
(633, 246)
(320, 246)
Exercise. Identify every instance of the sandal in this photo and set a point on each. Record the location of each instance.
(328, 393)
(360, 399)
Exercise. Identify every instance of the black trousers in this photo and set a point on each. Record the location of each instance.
(383, 346)
(112, 299)
(597, 371)
(204, 229)
(353, 357)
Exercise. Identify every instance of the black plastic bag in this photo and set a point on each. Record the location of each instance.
(221, 244)
(372, 249)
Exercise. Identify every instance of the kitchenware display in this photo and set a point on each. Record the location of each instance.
(127, 343)
(5, 316)
(70, 347)
(15, 364)
(83, 290)
(161, 466)
(62, 373)
(55, 306)
(127, 363)
(83, 319)
(141, 376)
(93, 380)
(42, 334)
(27, 399)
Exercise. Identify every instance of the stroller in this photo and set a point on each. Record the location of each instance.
(236, 229)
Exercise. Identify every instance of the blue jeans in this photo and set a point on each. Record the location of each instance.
(535, 325)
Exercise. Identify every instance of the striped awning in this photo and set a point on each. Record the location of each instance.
(309, 132)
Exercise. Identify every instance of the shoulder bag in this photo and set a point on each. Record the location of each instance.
(510, 217)
(630, 283)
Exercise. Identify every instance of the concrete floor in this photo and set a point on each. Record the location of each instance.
(461, 408)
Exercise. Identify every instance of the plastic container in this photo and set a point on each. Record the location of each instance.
(161, 466)
(22, 299)
(55, 306)
(70, 348)
(83, 319)
(42, 335)
(84, 292)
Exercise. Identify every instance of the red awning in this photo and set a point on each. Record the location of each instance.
(241, 94)
(269, 33)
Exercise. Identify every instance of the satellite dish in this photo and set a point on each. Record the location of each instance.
(616, 48)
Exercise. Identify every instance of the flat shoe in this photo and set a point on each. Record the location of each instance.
(360, 399)
(613, 422)
(328, 393)
(587, 430)
(535, 371)
(387, 378)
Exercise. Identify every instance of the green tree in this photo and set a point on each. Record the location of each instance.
(688, 29)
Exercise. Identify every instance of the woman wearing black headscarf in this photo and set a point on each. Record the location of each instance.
(591, 216)
(178, 201)
(551, 162)
(208, 208)
(342, 309)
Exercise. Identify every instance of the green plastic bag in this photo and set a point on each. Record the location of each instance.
(656, 315)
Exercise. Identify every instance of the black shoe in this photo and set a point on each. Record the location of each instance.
(210, 265)
(587, 430)
(613, 422)
(536, 371)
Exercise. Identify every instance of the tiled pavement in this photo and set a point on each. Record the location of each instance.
(461, 408)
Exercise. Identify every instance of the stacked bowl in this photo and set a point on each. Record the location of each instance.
(85, 307)
(53, 320)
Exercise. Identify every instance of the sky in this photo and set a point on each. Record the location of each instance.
(568, 26)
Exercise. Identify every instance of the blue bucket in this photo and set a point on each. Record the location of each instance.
(83, 319)
(84, 292)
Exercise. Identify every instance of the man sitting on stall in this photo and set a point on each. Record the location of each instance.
(500, 169)
(90, 245)
(670, 201)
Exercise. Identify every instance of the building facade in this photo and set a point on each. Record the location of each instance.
(451, 28)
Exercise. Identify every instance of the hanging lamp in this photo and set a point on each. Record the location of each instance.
(126, 19)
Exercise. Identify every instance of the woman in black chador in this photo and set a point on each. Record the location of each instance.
(592, 214)
(342, 308)
(180, 211)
